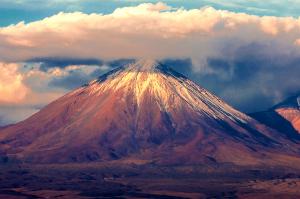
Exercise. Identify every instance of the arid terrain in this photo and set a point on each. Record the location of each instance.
(121, 180)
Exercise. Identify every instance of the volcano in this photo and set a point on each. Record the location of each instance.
(143, 111)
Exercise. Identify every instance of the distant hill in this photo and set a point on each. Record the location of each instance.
(284, 116)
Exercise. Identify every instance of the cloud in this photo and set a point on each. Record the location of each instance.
(119, 62)
(184, 66)
(76, 76)
(12, 89)
(251, 77)
(67, 73)
(153, 30)
(24, 90)
(52, 62)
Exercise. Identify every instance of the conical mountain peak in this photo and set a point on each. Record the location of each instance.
(143, 111)
(148, 66)
(142, 70)
(144, 65)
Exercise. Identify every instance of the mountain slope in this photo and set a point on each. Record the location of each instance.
(142, 111)
(290, 110)
(284, 116)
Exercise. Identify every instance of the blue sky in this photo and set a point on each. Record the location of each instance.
(12, 12)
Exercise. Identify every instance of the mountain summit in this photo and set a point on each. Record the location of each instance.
(141, 111)
(144, 65)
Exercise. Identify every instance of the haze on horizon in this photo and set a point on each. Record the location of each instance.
(232, 49)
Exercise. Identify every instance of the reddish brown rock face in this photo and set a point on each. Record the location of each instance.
(290, 111)
(292, 115)
(284, 117)
(141, 111)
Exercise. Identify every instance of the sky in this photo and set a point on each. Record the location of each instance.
(246, 52)
(12, 12)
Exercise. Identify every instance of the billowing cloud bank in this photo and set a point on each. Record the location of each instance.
(250, 61)
(154, 30)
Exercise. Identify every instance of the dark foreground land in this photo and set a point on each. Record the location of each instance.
(120, 180)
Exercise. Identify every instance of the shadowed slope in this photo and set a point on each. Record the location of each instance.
(284, 117)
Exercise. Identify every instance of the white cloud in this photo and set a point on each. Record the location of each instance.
(28, 87)
(12, 89)
(23, 91)
(145, 30)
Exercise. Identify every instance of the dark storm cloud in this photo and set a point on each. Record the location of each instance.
(252, 77)
(75, 79)
(119, 62)
(183, 66)
(62, 62)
